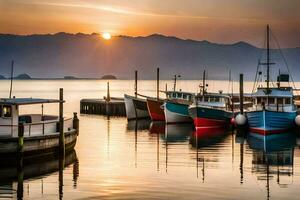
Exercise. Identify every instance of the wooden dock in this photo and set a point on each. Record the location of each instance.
(113, 107)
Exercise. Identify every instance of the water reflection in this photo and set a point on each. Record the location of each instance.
(205, 137)
(178, 132)
(273, 158)
(17, 170)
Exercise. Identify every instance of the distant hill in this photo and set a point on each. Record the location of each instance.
(109, 77)
(22, 77)
(2, 77)
(70, 77)
(88, 55)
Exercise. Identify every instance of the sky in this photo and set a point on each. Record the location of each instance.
(220, 21)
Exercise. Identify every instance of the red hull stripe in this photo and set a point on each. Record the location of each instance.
(204, 122)
(267, 132)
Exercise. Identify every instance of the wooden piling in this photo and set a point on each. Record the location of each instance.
(157, 83)
(241, 93)
(76, 122)
(21, 138)
(135, 83)
(61, 122)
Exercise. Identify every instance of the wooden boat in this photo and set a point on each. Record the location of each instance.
(40, 132)
(136, 108)
(273, 108)
(211, 110)
(155, 109)
(176, 107)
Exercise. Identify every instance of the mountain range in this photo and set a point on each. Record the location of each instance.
(90, 56)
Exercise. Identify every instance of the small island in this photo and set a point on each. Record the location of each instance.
(2, 77)
(70, 77)
(109, 77)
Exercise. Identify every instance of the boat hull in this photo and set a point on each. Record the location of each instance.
(38, 144)
(176, 113)
(205, 117)
(155, 109)
(135, 108)
(269, 122)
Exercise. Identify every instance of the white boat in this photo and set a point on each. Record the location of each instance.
(136, 108)
(40, 132)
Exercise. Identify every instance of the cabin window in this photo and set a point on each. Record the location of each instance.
(189, 97)
(280, 101)
(258, 100)
(174, 95)
(179, 95)
(206, 99)
(6, 111)
(184, 96)
(287, 101)
(271, 100)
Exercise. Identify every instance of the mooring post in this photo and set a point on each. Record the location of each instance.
(107, 107)
(108, 93)
(21, 138)
(242, 93)
(157, 83)
(61, 122)
(135, 82)
(76, 122)
(166, 89)
(20, 173)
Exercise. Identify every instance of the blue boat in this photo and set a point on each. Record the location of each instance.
(273, 109)
(176, 107)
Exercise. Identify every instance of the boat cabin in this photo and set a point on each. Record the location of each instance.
(214, 100)
(34, 124)
(180, 96)
(276, 99)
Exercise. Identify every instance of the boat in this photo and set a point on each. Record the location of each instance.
(211, 110)
(136, 108)
(273, 109)
(155, 109)
(40, 133)
(176, 107)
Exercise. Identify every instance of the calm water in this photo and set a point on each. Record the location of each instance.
(114, 159)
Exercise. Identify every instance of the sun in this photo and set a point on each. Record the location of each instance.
(106, 36)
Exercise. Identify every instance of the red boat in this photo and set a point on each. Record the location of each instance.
(155, 109)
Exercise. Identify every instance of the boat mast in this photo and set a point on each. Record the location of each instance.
(268, 58)
(11, 78)
(175, 79)
(203, 79)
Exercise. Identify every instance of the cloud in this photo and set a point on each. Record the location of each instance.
(130, 11)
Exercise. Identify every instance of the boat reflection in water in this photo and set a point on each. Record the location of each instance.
(206, 137)
(14, 171)
(158, 127)
(138, 125)
(178, 132)
(273, 156)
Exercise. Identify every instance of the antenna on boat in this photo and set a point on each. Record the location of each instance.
(11, 78)
(175, 81)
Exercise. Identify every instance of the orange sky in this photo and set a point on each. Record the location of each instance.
(222, 21)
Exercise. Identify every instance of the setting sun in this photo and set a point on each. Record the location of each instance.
(106, 36)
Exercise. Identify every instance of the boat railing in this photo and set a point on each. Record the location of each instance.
(278, 108)
(36, 129)
(46, 127)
